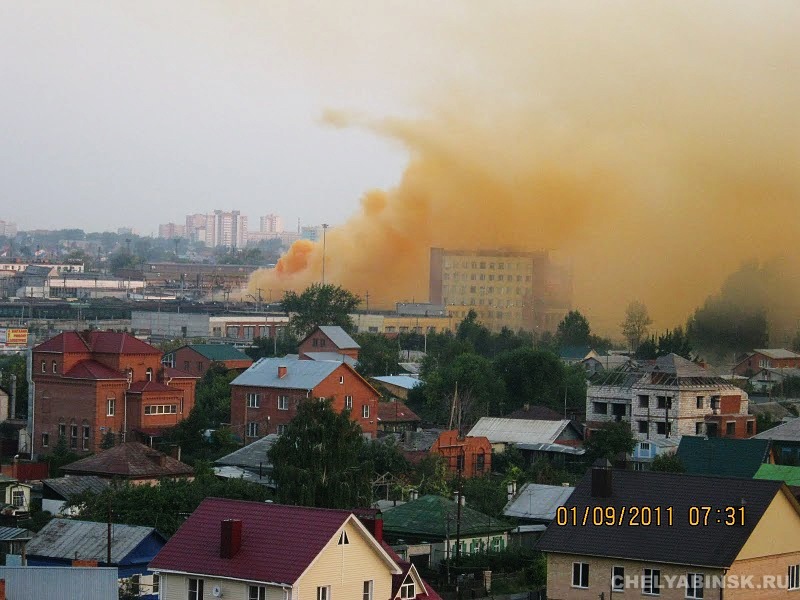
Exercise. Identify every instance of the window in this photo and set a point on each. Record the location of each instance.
(252, 429)
(341, 379)
(73, 436)
(110, 404)
(643, 426)
(18, 498)
(86, 433)
(600, 408)
(283, 402)
(186, 366)
(55, 367)
(348, 402)
(794, 577)
(45, 440)
(698, 428)
(580, 575)
(700, 402)
(343, 541)
(324, 592)
(195, 589)
(281, 429)
(480, 463)
(408, 590)
(617, 579)
(460, 462)
(62, 430)
(644, 446)
(663, 402)
(365, 411)
(663, 428)
(253, 400)
(694, 585)
(156, 583)
(161, 409)
(257, 592)
(651, 583)
(44, 366)
(148, 374)
(367, 595)
(750, 427)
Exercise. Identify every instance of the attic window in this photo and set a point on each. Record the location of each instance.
(408, 590)
(341, 379)
(343, 541)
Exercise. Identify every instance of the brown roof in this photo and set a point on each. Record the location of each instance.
(396, 412)
(130, 460)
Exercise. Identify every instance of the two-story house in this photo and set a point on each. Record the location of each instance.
(465, 455)
(265, 397)
(628, 534)
(329, 342)
(767, 358)
(198, 358)
(671, 397)
(92, 384)
(265, 551)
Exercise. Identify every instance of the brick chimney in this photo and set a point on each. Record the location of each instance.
(601, 479)
(230, 538)
(282, 371)
(2, 589)
(374, 523)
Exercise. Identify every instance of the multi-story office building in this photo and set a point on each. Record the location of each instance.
(507, 288)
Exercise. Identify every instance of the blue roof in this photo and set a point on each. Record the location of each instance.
(403, 381)
(332, 356)
(339, 337)
(300, 374)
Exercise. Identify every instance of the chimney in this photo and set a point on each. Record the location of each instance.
(230, 538)
(2, 589)
(374, 523)
(601, 478)
(282, 370)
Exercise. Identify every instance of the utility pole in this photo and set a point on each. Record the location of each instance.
(324, 231)
(108, 540)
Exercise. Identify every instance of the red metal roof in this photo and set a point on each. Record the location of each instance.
(102, 342)
(91, 369)
(397, 580)
(137, 387)
(68, 342)
(278, 541)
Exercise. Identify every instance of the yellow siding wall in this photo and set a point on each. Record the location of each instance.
(777, 532)
(176, 587)
(345, 568)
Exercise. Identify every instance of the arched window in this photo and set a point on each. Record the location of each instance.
(55, 367)
(44, 366)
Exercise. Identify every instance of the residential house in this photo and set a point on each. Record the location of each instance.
(132, 462)
(424, 530)
(35, 583)
(751, 528)
(265, 551)
(534, 507)
(92, 384)
(671, 397)
(767, 358)
(396, 416)
(329, 338)
(264, 399)
(785, 440)
(467, 456)
(414, 445)
(645, 451)
(12, 544)
(597, 363)
(198, 358)
(722, 456)
(15, 496)
(56, 493)
(396, 386)
(250, 462)
(63, 542)
(768, 379)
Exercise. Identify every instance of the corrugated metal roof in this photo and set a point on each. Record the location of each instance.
(539, 502)
(66, 487)
(240, 473)
(521, 431)
(218, 352)
(86, 540)
(788, 432)
(253, 456)
(300, 374)
(332, 356)
(402, 381)
(61, 583)
(777, 353)
(339, 337)
(555, 448)
(14, 533)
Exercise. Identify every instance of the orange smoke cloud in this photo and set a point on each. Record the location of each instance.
(654, 146)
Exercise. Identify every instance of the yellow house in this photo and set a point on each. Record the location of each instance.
(628, 534)
(265, 551)
(16, 495)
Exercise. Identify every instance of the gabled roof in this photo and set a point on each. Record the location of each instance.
(101, 342)
(331, 356)
(86, 540)
(173, 373)
(522, 431)
(15, 533)
(91, 369)
(714, 545)
(673, 364)
(537, 502)
(785, 473)
(130, 460)
(300, 374)
(395, 412)
(575, 352)
(279, 542)
(722, 456)
(402, 381)
(777, 353)
(68, 342)
(339, 337)
(66, 487)
(428, 516)
(252, 456)
(217, 352)
(787, 432)
(137, 387)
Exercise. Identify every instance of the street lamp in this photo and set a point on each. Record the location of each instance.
(324, 231)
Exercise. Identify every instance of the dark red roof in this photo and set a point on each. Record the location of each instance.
(68, 342)
(91, 369)
(397, 580)
(173, 373)
(278, 541)
(130, 460)
(137, 387)
(102, 342)
(395, 411)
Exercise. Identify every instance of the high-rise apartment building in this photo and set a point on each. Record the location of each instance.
(271, 224)
(506, 288)
(170, 231)
(222, 228)
(7, 228)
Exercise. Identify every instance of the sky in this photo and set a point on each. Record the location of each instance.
(133, 114)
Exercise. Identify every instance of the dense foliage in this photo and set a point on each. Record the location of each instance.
(609, 441)
(320, 305)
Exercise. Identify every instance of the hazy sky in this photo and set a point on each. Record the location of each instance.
(136, 113)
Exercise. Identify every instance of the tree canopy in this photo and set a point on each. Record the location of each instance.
(378, 355)
(610, 440)
(317, 462)
(574, 330)
(320, 305)
(636, 324)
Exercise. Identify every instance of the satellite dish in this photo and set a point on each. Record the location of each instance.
(216, 591)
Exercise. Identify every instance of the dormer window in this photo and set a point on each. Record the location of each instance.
(408, 590)
(343, 541)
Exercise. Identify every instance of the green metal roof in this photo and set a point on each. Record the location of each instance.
(722, 456)
(219, 352)
(432, 517)
(786, 473)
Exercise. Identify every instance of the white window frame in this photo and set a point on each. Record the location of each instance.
(45, 440)
(252, 429)
(408, 590)
(18, 494)
(651, 585)
(368, 590)
(197, 593)
(692, 591)
(341, 379)
(617, 581)
(794, 577)
(253, 400)
(283, 402)
(256, 592)
(324, 592)
(365, 411)
(348, 403)
(280, 429)
(55, 367)
(111, 405)
(580, 579)
(644, 446)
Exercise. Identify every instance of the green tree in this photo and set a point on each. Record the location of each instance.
(16, 365)
(669, 463)
(266, 346)
(378, 355)
(431, 476)
(317, 462)
(573, 330)
(320, 305)
(486, 494)
(609, 441)
(636, 323)
(107, 441)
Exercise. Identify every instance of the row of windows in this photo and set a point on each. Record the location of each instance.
(482, 277)
(253, 426)
(519, 266)
(482, 289)
(254, 401)
(161, 409)
(148, 374)
(73, 436)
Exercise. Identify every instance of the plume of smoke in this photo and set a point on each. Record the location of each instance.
(656, 145)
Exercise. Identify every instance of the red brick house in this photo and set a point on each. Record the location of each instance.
(767, 358)
(471, 455)
(198, 358)
(264, 398)
(91, 383)
(327, 340)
